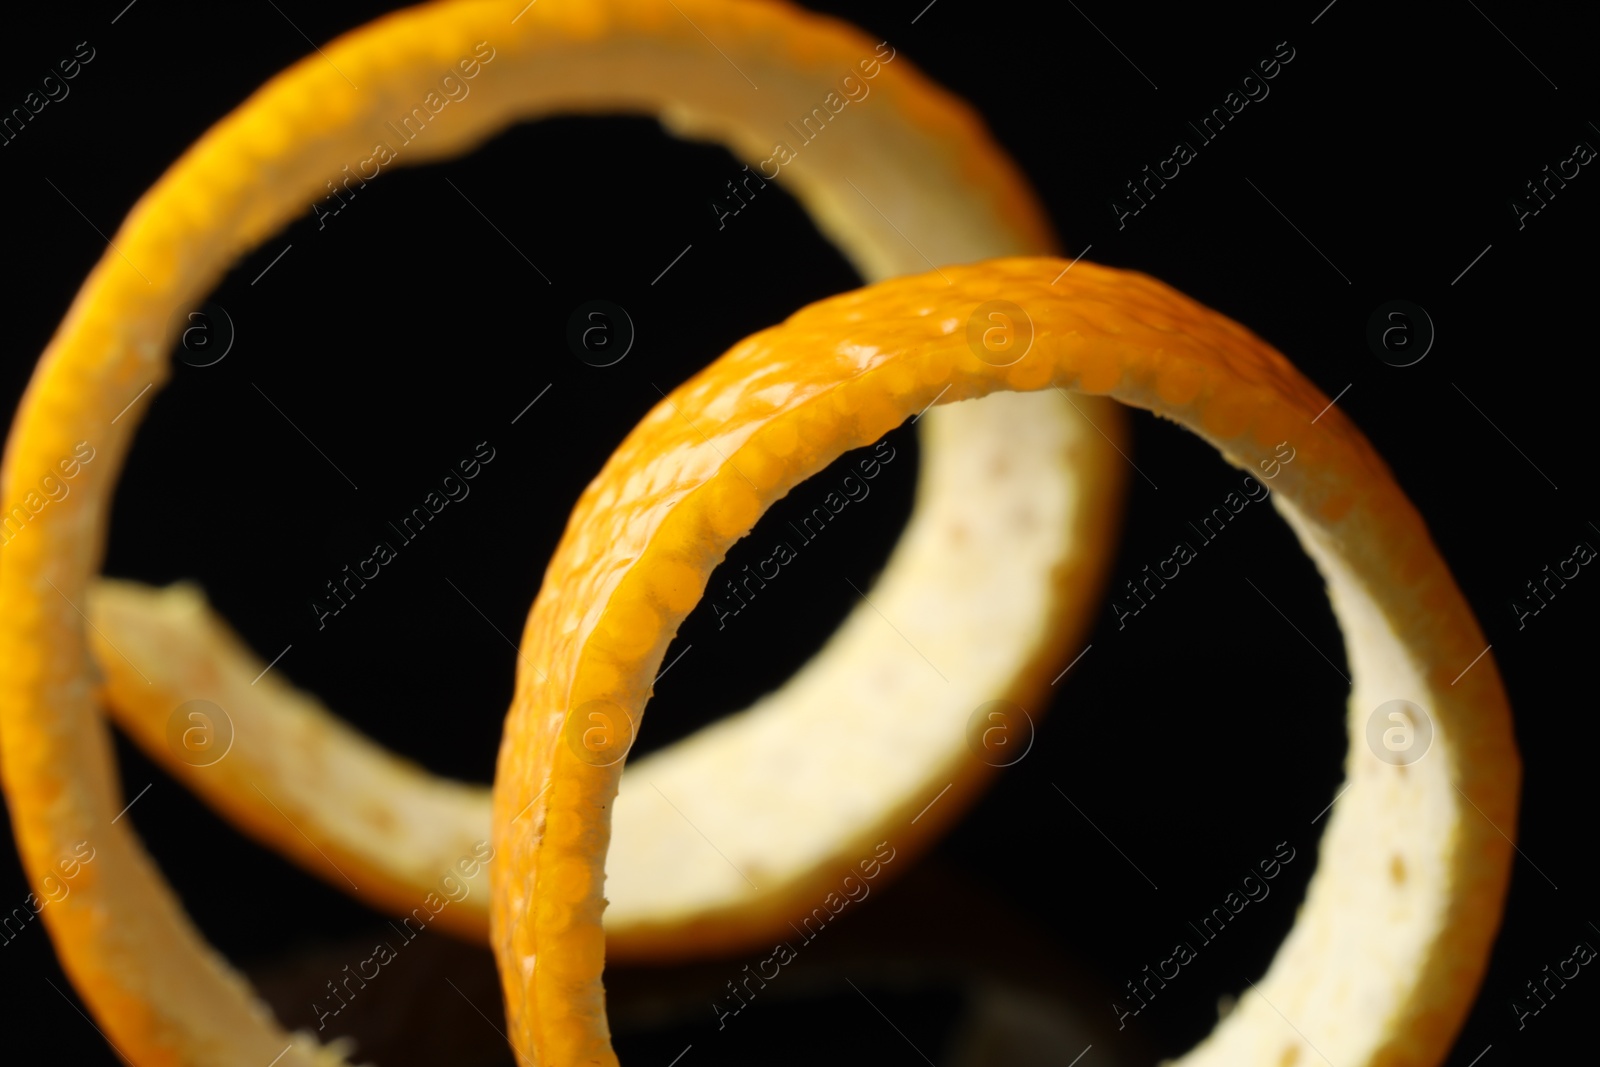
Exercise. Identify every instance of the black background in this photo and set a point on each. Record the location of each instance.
(1196, 739)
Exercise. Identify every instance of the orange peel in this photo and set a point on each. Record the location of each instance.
(304, 783)
(1378, 971)
(299, 779)
(161, 994)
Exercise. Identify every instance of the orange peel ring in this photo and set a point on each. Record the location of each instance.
(1374, 972)
(392, 827)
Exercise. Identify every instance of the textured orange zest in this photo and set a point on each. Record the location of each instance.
(692, 479)
(699, 470)
(155, 986)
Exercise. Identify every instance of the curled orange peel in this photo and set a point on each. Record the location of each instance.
(1392, 939)
(303, 782)
(1394, 934)
(158, 990)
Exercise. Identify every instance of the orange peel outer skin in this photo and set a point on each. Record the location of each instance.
(162, 995)
(1098, 330)
(137, 960)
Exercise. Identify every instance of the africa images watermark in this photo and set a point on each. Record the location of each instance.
(1210, 928)
(454, 889)
(13, 123)
(1553, 582)
(1211, 526)
(811, 526)
(1552, 983)
(412, 124)
(1550, 182)
(451, 488)
(852, 90)
(1252, 87)
(51, 487)
(55, 890)
(854, 890)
